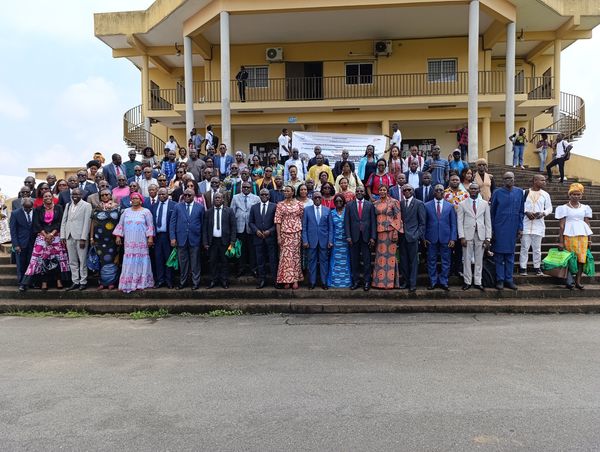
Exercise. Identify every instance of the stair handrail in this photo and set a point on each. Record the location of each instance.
(134, 126)
(572, 112)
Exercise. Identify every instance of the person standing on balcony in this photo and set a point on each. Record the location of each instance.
(196, 140)
(542, 150)
(537, 206)
(519, 141)
(562, 153)
(241, 78)
(284, 146)
(210, 141)
(439, 168)
(462, 140)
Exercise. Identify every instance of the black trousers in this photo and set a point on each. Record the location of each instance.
(242, 90)
(561, 168)
(22, 260)
(266, 250)
(409, 261)
(247, 259)
(360, 251)
(162, 251)
(218, 261)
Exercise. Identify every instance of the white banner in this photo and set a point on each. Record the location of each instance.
(332, 144)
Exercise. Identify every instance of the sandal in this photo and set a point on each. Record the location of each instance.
(100, 287)
(580, 286)
(295, 286)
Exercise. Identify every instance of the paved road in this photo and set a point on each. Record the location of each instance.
(352, 382)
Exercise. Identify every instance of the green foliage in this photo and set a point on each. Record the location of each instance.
(147, 314)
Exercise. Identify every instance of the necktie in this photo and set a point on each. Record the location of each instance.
(28, 217)
(439, 209)
(246, 202)
(81, 185)
(118, 170)
(218, 218)
(189, 208)
(264, 209)
(426, 194)
(159, 216)
(360, 209)
(152, 201)
(318, 214)
(475, 207)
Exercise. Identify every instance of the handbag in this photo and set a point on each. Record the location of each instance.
(93, 261)
(172, 261)
(589, 268)
(235, 251)
(49, 265)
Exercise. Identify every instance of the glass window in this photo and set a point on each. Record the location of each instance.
(258, 76)
(359, 73)
(442, 70)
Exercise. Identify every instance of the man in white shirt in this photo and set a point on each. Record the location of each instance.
(146, 181)
(414, 155)
(562, 154)
(172, 144)
(298, 163)
(396, 138)
(537, 206)
(209, 139)
(284, 145)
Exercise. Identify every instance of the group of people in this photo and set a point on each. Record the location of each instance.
(354, 225)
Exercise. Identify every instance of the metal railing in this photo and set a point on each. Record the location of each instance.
(355, 87)
(572, 116)
(136, 136)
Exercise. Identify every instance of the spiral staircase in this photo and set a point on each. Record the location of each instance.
(136, 134)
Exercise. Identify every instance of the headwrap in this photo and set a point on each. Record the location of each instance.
(481, 161)
(576, 187)
(137, 195)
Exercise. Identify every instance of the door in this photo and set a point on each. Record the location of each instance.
(304, 81)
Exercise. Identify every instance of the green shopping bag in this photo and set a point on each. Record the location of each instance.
(559, 259)
(235, 251)
(589, 268)
(172, 261)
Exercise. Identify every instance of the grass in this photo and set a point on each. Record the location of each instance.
(68, 314)
(148, 314)
(136, 315)
(224, 313)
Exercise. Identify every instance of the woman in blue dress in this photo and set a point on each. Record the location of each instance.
(339, 263)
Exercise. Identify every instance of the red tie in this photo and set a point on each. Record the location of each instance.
(118, 170)
(360, 210)
(439, 209)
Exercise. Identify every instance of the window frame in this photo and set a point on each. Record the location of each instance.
(359, 77)
(443, 77)
(251, 82)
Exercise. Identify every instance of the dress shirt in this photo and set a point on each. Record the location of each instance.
(413, 179)
(218, 221)
(163, 219)
(263, 208)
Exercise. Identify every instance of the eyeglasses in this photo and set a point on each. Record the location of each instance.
(407, 189)
(105, 194)
(188, 194)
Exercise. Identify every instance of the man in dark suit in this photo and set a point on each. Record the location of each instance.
(276, 194)
(361, 230)
(218, 233)
(264, 238)
(162, 212)
(185, 230)
(87, 188)
(223, 161)
(440, 237)
(315, 239)
(396, 190)
(337, 168)
(17, 203)
(114, 169)
(425, 191)
(21, 233)
(413, 175)
(413, 217)
(64, 197)
(137, 175)
(215, 187)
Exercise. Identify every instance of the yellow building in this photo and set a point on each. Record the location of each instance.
(351, 66)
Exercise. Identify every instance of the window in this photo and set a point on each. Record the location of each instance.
(441, 70)
(258, 76)
(359, 73)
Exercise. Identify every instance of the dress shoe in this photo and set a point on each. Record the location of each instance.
(500, 285)
(180, 286)
(82, 286)
(196, 287)
(367, 287)
(158, 285)
(72, 287)
(311, 286)
(225, 285)
(510, 285)
(412, 290)
(355, 286)
(466, 286)
(402, 286)
(22, 288)
(169, 286)
(431, 287)
(444, 288)
(211, 285)
(261, 284)
(325, 287)
(480, 287)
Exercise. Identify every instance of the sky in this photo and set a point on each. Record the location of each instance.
(63, 96)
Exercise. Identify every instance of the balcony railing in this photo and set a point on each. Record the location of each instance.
(355, 87)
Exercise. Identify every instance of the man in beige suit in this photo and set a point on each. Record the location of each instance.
(75, 233)
(474, 224)
(94, 198)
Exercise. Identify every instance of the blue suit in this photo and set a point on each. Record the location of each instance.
(21, 233)
(162, 243)
(217, 164)
(110, 174)
(439, 232)
(316, 235)
(187, 230)
(126, 202)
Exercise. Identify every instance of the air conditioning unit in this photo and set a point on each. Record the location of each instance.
(382, 48)
(274, 54)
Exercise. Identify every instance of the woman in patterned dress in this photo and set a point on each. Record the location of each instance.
(339, 263)
(395, 162)
(389, 224)
(288, 221)
(104, 220)
(136, 229)
(345, 191)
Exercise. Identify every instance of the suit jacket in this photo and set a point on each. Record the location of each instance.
(94, 199)
(419, 173)
(353, 224)
(217, 164)
(468, 223)
(208, 198)
(413, 218)
(396, 193)
(89, 188)
(21, 232)
(16, 204)
(170, 206)
(38, 219)
(76, 225)
(110, 174)
(419, 194)
(313, 233)
(337, 168)
(242, 211)
(256, 222)
(228, 227)
(440, 230)
(186, 229)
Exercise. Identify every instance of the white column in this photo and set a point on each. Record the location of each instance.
(509, 108)
(188, 74)
(473, 79)
(556, 85)
(225, 83)
(146, 99)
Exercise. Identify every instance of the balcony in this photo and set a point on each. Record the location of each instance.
(356, 87)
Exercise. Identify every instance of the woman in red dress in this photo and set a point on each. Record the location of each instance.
(389, 224)
(288, 221)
